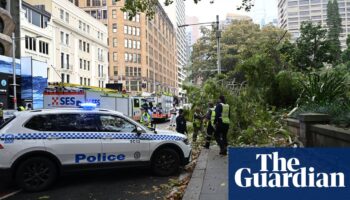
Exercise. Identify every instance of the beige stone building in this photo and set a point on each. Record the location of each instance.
(142, 52)
(78, 51)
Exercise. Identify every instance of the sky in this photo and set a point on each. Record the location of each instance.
(206, 12)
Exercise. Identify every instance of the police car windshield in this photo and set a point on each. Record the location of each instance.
(6, 121)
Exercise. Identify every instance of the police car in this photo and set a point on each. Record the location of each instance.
(37, 146)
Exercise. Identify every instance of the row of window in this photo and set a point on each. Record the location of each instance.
(131, 30)
(101, 84)
(65, 61)
(132, 57)
(84, 81)
(100, 70)
(84, 27)
(132, 44)
(100, 54)
(30, 44)
(96, 2)
(84, 64)
(133, 71)
(36, 18)
(67, 80)
(64, 16)
(80, 123)
(134, 19)
(98, 14)
(84, 46)
(64, 38)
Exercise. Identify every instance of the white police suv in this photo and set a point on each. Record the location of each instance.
(37, 146)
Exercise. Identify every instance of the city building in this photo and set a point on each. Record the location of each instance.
(142, 52)
(291, 13)
(230, 17)
(8, 21)
(195, 30)
(176, 13)
(37, 34)
(77, 49)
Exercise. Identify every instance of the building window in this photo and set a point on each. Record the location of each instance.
(134, 44)
(88, 28)
(80, 45)
(68, 78)
(67, 39)
(115, 56)
(125, 29)
(44, 47)
(114, 14)
(137, 17)
(88, 47)
(84, 64)
(62, 78)
(138, 45)
(81, 80)
(96, 3)
(84, 46)
(67, 17)
(67, 60)
(81, 63)
(129, 30)
(138, 31)
(130, 44)
(88, 2)
(126, 15)
(114, 27)
(30, 43)
(133, 30)
(88, 82)
(88, 65)
(62, 37)
(84, 81)
(61, 14)
(125, 43)
(126, 57)
(62, 60)
(115, 42)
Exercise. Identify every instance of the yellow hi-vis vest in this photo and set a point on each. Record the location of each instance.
(225, 113)
(146, 119)
(212, 116)
(1, 113)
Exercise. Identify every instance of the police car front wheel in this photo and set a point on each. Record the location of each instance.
(36, 174)
(165, 162)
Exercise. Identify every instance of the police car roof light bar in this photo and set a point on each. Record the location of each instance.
(88, 106)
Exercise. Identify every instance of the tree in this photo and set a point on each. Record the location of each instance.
(312, 47)
(346, 53)
(334, 26)
(149, 6)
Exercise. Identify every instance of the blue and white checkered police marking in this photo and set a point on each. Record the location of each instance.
(9, 138)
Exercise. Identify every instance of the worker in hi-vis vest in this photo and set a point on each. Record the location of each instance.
(222, 124)
(145, 118)
(209, 120)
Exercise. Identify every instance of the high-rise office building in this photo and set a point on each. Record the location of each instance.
(176, 13)
(291, 13)
(141, 51)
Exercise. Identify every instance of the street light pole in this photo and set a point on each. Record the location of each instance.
(14, 71)
(218, 36)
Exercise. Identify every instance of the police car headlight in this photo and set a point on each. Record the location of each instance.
(185, 140)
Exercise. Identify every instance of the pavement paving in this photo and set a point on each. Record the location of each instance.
(210, 177)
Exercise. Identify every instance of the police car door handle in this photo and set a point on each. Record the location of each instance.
(54, 138)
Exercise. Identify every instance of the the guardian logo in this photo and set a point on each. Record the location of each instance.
(279, 172)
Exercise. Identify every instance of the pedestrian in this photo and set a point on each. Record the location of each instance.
(222, 122)
(1, 113)
(145, 118)
(21, 108)
(29, 106)
(197, 124)
(181, 125)
(209, 118)
(173, 114)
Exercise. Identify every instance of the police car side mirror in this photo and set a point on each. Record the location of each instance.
(139, 130)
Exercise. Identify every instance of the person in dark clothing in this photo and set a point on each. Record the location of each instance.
(209, 118)
(181, 126)
(222, 123)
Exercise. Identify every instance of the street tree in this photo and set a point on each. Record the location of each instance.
(149, 6)
(334, 30)
(312, 47)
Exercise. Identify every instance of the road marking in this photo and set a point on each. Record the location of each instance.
(9, 195)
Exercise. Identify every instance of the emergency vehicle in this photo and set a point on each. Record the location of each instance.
(37, 146)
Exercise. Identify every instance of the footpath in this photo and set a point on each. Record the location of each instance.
(210, 177)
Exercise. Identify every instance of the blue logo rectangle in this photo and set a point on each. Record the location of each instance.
(289, 173)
